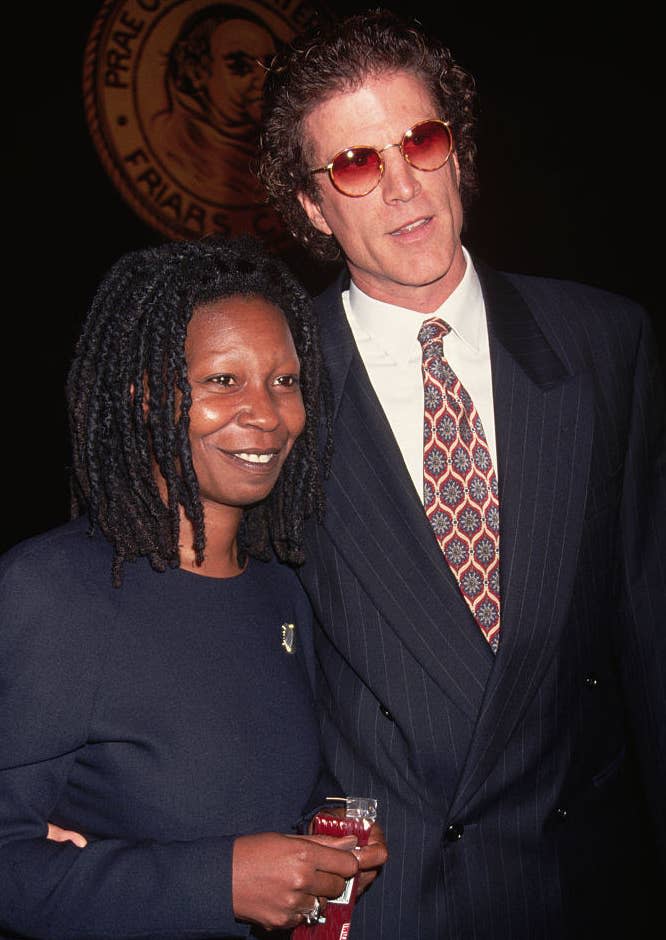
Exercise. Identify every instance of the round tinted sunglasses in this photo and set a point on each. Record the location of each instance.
(356, 171)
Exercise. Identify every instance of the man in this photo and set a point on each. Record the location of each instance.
(507, 707)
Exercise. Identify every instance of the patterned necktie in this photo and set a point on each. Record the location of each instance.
(459, 483)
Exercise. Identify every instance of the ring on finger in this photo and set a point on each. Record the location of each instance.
(314, 915)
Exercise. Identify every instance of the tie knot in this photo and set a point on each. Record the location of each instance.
(431, 334)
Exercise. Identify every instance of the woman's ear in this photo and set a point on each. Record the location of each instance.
(144, 400)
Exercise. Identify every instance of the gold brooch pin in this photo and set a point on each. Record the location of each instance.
(288, 636)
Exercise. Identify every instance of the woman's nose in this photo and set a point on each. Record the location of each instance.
(258, 409)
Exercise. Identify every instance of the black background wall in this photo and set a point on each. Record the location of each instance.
(570, 169)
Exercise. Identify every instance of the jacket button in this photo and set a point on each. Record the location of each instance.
(386, 713)
(591, 681)
(454, 832)
(561, 814)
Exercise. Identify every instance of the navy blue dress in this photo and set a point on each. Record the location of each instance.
(162, 719)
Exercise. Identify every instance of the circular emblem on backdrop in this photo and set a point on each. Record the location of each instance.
(173, 102)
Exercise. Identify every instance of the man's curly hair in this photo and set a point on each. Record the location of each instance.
(131, 350)
(337, 58)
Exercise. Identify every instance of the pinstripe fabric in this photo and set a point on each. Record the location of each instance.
(507, 784)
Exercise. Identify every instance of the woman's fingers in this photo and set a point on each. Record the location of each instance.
(56, 834)
(276, 877)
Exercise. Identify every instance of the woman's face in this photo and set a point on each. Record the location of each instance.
(247, 409)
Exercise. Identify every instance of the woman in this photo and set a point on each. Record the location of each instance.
(156, 661)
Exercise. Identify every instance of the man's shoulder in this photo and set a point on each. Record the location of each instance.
(330, 296)
(573, 299)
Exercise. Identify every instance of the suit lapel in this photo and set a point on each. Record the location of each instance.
(544, 426)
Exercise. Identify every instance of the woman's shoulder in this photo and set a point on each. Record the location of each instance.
(57, 612)
(61, 552)
(275, 575)
(278, 581)
(63, 569)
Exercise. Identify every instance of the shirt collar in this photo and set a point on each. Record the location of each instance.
(395, 328)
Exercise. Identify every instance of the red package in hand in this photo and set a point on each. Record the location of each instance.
(359, 816)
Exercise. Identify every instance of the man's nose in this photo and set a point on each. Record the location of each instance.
(400, 182)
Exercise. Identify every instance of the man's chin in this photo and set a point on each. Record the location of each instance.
(408, 287)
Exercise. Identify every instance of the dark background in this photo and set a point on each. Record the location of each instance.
(570, 170)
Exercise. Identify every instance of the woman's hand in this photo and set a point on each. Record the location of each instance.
(371, 857)
(56, 834)
(276, 878)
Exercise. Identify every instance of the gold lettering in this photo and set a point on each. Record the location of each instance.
(151, 178)
(123, 40)
(265, 223)
(114, 66)
(221, 223)
(174, 204)
(134, 25)
(137, 156)
(197, 215)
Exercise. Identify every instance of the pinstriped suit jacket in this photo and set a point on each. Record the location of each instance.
(520, 795)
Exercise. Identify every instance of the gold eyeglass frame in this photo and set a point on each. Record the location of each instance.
(328, 168)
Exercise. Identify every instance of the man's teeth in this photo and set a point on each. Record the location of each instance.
(256, 458)
(411, 226)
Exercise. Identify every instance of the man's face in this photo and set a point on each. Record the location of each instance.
(402, 240)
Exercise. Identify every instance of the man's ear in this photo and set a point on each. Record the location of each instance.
(314, 213)
(456, 167)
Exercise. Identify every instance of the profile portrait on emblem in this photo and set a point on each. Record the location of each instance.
(213, 81)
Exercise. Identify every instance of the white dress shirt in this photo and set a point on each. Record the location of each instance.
(386, 337)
